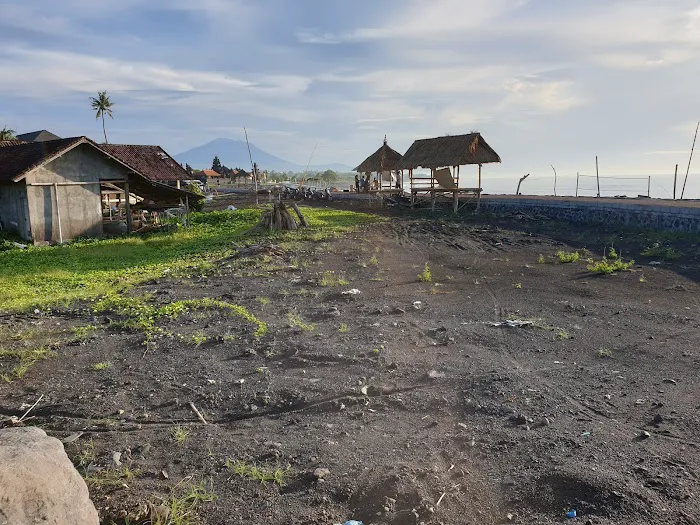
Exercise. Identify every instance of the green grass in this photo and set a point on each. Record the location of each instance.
(179, 434)
(296, 321)
(426, 275)
(518, 286)
(606, 267)
(101, 366)
(612, 253)
(141, 315)
(343, 328)
(183, 502)
(330, 278)
(85, 270)
(15, 363)
(263, 300)
(277, 475)
(568, 257)
(540, 259)
(604, 353)
(666, 253)
(111, 477)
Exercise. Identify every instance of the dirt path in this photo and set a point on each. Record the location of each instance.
(419, 408)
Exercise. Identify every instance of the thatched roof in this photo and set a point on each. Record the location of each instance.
(384, 159)
(452, 150)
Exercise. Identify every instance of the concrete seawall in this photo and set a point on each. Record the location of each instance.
(654, 214)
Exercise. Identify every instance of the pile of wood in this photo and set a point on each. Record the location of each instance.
(279, 218)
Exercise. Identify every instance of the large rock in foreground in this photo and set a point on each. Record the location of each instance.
(38, 483)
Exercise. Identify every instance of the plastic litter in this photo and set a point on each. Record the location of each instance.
(231, 207)
(571, 514)
(353, 522)
(354, 291)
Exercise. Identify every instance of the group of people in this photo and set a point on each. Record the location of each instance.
(365, 184)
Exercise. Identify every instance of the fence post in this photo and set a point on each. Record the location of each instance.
(649, 187)
(597, 178)
(675, 181)
(577, 183)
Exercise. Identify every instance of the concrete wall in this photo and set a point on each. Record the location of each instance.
(14, 212)
(79, 205)
(654, 214)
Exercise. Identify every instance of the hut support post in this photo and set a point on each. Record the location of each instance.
(478, 198)
(675, 182)
(649, 186)
(127, 207)
(58, 214)
(455, 201)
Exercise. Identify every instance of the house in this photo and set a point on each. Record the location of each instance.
(151, 161)
(51, 191)
(37, 136)
(211, 174)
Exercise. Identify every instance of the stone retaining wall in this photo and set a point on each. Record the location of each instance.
(656, 214)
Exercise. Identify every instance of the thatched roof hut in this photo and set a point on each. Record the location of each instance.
(452, 150)
(384, 159)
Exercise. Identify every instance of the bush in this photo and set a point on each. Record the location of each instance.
(656, 250)
(196, 204)
(606, 267)
(568, 257)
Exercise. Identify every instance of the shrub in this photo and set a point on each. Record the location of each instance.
(568, 257)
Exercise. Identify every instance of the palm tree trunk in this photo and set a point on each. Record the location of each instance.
(103, 128)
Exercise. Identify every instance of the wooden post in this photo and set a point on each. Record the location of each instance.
(455, 201)
(675, 181)
(690, 160)
(432, 200)
(649, 187)
(127, 207)
(478, 199)
(597, 178)
(555, 181)
(577, 183)
(58, 214)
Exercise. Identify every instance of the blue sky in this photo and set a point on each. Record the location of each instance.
(545, 81)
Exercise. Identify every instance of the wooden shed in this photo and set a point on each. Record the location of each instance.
(444, 156)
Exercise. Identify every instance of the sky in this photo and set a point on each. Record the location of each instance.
(546, 82)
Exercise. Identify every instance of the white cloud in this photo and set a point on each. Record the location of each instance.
(536, 95)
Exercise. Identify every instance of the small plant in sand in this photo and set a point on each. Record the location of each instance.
(612, 253)
(330, 278)
(180, 508)
(101, 366)
(179, 434)
(540, 259)
(665, 253)
(343, 329)
(295, 321)
(277, 475)
(604, 353)
(606, 267)
(568, 257)
(426, 275)
(263, 300)
(518, 286)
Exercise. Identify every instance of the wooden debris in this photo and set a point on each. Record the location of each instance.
(278, 218)
(197, 413)
(302, 220)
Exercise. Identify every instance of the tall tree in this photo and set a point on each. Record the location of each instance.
(102, 106)
(216, 164)
(7, 134)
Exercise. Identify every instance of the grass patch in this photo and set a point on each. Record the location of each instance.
(101, 366)
(426, 275)
(15, 363)
(606, 267)
(343, 328)
(183, 502)
(263, 300)
(140, 315)
(604, 353)
(568, 257)
(111, 477)
(666, 253)
(87, 269)
(179, 435)
(518, 286)
(540, 259)
(330, 278)
(278, 476)
(296, 321)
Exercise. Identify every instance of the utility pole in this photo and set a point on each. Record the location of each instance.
(252, 166)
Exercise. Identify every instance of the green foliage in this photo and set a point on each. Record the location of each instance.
(83, 332)
(605, 267)
(21, 360)
(568, 257)
(84, 270)
(183, 502)
(426, 275)
(179, 434)
(142, 316)
(605, 353)
(111, 477)
(102, 366)
(277, 475)
(518, 286)
(263, 300)
(612, 253)
(7, 134)
(195, 203)
(295, 321)
(343, 328)
(666, 253)
(330, 278)
(540, 259)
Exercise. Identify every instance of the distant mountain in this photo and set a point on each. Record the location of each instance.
(234, 154)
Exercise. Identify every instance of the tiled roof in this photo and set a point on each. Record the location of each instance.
(38, 136)
(211, 173)
(17, 159)
(151, 161)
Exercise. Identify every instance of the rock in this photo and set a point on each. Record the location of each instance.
(39, 483)
(117, 458)
(321, 473)
(644, 435)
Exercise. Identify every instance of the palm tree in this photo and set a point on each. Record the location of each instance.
(7, 134)
(102, 106)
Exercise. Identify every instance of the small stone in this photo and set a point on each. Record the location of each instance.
(116, 457)
(164, 474)
(670, 381)
(644, 435)
(509, 516)
(321, 473)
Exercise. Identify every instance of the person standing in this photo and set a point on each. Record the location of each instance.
(357, 183)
